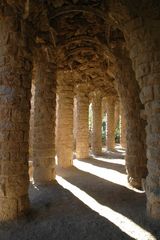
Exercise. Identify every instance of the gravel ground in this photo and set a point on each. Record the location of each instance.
(85, 204)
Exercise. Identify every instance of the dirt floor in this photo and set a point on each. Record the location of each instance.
(91, 201)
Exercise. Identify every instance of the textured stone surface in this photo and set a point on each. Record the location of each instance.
(82, 133)
(88, 38)
(117, 114)
(96, 143)
(123, 128)
(44, 122)
(64, 132)
(15, 92)
(136, 159)
(143, 42)
(110, 126)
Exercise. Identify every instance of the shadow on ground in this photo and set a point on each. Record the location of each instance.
(56, 214)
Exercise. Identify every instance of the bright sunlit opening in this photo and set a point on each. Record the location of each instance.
(123, 223)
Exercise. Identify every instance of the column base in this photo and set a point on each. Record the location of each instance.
(112, 149)
(82, 156)
(11, 208)
(153, 210)
(65, 165)
(64, 157)
(97, 153)
(43, 176)
(135, 182)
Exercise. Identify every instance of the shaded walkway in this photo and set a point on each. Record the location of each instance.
(90, 208)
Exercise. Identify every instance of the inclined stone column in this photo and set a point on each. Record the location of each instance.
(123, 128)
(96, 143)
(64, 138)
(143, 41)
(82, 133)
(15, 93)
(131, 106)
(44, 122)
(110, 133)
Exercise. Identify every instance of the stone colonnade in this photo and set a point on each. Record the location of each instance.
(15, 121)
(143, 42)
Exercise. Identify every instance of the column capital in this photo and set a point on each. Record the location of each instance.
(82, 88)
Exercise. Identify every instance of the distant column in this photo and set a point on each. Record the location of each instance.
(123, 129)
(96, 142)
(82, 134)
(110, 133)
(117, 114)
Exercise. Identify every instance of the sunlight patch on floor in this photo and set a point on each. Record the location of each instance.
(123, 223)
(119, 149)
(105, 173)
(114, 161)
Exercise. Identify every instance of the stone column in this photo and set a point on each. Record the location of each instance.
(96, 143)
(82, 135)
(123, 129)
(128, 90)
(117, 114)
(31, 130)
(44, 122)
(65, 98)
(74, 122)
(110, 133)
(143, 41)
(15, 93)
